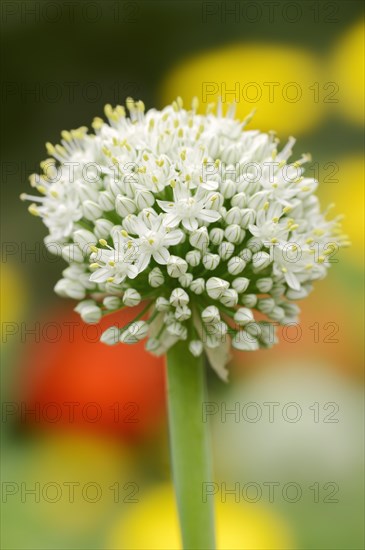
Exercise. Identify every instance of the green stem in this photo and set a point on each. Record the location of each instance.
(190, 447)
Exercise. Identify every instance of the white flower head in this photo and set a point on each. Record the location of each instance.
(148, 214)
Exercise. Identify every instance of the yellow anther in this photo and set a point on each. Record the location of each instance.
(66, 135)
(309, 240)
(195, 104)
(124, 233)
(94, 249)
(103, 242)
(309, 266)
(321, 259)
(50, 148)
(274, 154)
(275, 220)
(111, 263)
(108, 110)
(284, 270)
(266, 206)
(94, 265)
(274, 240)
(32, 209)
(286, 209)
(97, 123)
(110, 279)
(180, 133)
(173, 183)
(41, 189)
(305, 188)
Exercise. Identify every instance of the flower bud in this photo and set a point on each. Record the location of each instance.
(179, 297)
(249, 300)
(233, 216)
(199, 238)
(84, 239)
(277, 314)
(106, 201)
(131, 297)
(260, 260)
(225, 250)
(162, 304)
(156, 278)
(110, 336)
(129, 223)
(182, 313)
(210, 315)
(89, 311)
(135, 332)
(197, 286)
(248, 217)
(234, 234)
(196, 347)
(236, 265)
(186, 280)
(70, 289)
(144, 199)
(245, 254)
(216, 235)
(244, 342)
(229, 298)
(176, 266)
(266, 305)
(72, 253)
(176, 329)
(124, 206)
(103, 228)
(228, 188)
(243, 316)
(193, 257)
(211, 261)
(215, 287)
(240, 201)
(112, 303)
(265, 284)
(91, 210)
(240, 284)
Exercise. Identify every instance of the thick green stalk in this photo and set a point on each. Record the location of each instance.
(190, 447)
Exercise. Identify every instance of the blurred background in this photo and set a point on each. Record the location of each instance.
(84, 439)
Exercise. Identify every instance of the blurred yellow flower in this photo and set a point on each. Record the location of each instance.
(77, 473)
(282, 82)
(345, 188)
(152, 525)
(347, 70)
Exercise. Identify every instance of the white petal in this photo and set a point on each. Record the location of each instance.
(100, 275)
(132, 271)
(173, 237)
(292, 281)
(171, 220)
(166, 206)
(142, 262)
(209, 215)
(190, 224)
(161, 255)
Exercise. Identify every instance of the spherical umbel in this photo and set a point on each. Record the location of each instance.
(201, 220)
